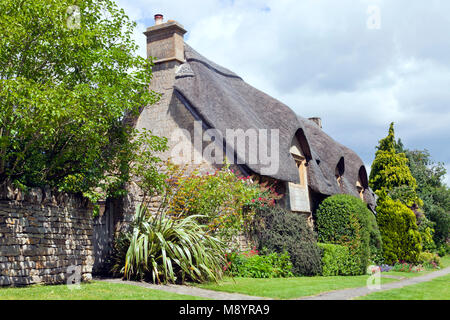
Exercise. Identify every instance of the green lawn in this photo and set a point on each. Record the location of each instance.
(279, 288)
(436, 289)
(288, 288)
(90, 291)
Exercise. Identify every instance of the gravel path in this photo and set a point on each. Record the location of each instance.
(345, 294)
(188, 290)
(348, 294)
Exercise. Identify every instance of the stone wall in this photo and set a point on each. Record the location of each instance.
(45, 237)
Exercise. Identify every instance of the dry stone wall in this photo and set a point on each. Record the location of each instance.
(44, 237)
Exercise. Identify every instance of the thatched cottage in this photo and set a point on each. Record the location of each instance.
(200, 98)
(310, 164)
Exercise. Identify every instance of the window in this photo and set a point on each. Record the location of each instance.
(299, 198)
(362, 184)
(360, 189)
(301, 165)
(339, 171)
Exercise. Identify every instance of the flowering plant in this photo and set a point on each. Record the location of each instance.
(226, 201)
(385, 268)
(407, 267)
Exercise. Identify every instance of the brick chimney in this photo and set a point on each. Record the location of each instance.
(165, 41)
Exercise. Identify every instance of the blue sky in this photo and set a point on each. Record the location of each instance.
(358, 65)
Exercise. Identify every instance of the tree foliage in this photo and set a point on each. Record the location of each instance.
(399, 231)
(432, 190)
(390, 171)
(69, 76)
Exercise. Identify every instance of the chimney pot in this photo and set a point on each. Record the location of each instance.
(159, 19)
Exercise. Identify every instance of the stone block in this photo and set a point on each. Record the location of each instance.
(10, 250)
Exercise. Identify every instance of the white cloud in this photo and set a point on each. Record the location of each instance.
(319, 57)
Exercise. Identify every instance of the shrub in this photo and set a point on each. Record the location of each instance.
(345, 220)
(430, 260)
(252, 265)
(279, 230)
(399, 231)
(337, 260)
(119, 252)
(443, 250)
(225, 201)
(167, 250)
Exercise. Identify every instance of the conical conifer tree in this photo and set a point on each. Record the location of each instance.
(390, 172)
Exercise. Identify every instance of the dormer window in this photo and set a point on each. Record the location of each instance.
(339, 172)
(299, 199)
(362, 184)
(360, 189)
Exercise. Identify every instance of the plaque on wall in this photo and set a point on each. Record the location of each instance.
(299, 198)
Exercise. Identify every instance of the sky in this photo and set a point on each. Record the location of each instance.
(359, 65)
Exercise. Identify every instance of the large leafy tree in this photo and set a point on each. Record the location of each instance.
(69, 76)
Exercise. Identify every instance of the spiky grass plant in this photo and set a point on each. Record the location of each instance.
(172, 250)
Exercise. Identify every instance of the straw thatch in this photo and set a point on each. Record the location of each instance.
(222, 100)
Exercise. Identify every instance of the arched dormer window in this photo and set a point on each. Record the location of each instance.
(301, 154)
(339, 171)
(298, 191)
(362, 184)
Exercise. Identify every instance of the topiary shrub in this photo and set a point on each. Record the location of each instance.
(399, 231)
(337, 260)
(279, 230)
(345, 220)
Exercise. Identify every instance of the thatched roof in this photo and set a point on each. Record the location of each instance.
(222, 100)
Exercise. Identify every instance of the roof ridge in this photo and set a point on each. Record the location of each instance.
(192, 55)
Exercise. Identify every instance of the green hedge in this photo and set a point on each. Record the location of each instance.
(337, 260)
(345, 220)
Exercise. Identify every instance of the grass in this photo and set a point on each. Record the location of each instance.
(95, 290)
(288, 288)
(278, 288)
(436, 289)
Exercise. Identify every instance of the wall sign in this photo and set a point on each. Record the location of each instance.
(299, 198)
